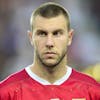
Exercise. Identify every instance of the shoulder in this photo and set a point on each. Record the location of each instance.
(12, 84)
(85, 83)
(86, 79)
(12, 81)
(13, 77)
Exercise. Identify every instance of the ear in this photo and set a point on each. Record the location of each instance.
(30, 35)
(70, 36)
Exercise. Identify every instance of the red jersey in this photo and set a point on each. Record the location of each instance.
(25, 85)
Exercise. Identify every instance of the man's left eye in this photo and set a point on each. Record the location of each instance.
(57, 33)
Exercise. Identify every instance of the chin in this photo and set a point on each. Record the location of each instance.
(50, 65)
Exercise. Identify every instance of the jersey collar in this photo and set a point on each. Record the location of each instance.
(45, 82)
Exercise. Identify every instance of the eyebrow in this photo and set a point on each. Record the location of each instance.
(58, 30)
(42, 30)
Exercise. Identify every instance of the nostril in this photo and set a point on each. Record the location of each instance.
(49, 44)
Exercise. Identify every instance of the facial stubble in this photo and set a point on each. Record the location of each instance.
(64, 53)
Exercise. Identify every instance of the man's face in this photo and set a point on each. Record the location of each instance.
(50, 38)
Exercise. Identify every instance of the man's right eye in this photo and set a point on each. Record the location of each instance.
(42, 33)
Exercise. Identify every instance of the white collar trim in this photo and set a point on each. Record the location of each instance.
(45, 82)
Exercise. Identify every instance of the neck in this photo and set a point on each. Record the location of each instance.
(48, 73)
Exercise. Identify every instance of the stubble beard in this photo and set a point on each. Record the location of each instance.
(52, 65)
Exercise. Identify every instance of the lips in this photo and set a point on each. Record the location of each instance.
(50, 54)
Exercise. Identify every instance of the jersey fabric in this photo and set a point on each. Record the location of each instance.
(25, 85)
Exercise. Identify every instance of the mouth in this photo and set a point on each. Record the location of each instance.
(50, 54)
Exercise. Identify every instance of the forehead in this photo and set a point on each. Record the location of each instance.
(53, 23)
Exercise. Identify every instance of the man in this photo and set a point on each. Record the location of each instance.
(49, 77)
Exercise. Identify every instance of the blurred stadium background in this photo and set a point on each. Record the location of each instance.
(16, 51)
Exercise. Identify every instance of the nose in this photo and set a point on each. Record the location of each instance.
(49, 42)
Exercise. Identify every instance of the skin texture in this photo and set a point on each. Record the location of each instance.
(50, 39)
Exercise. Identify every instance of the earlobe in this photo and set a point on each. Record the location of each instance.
(30, 36)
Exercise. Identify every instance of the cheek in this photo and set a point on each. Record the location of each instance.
(63, 42)
(62, 45)
(38, 44)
